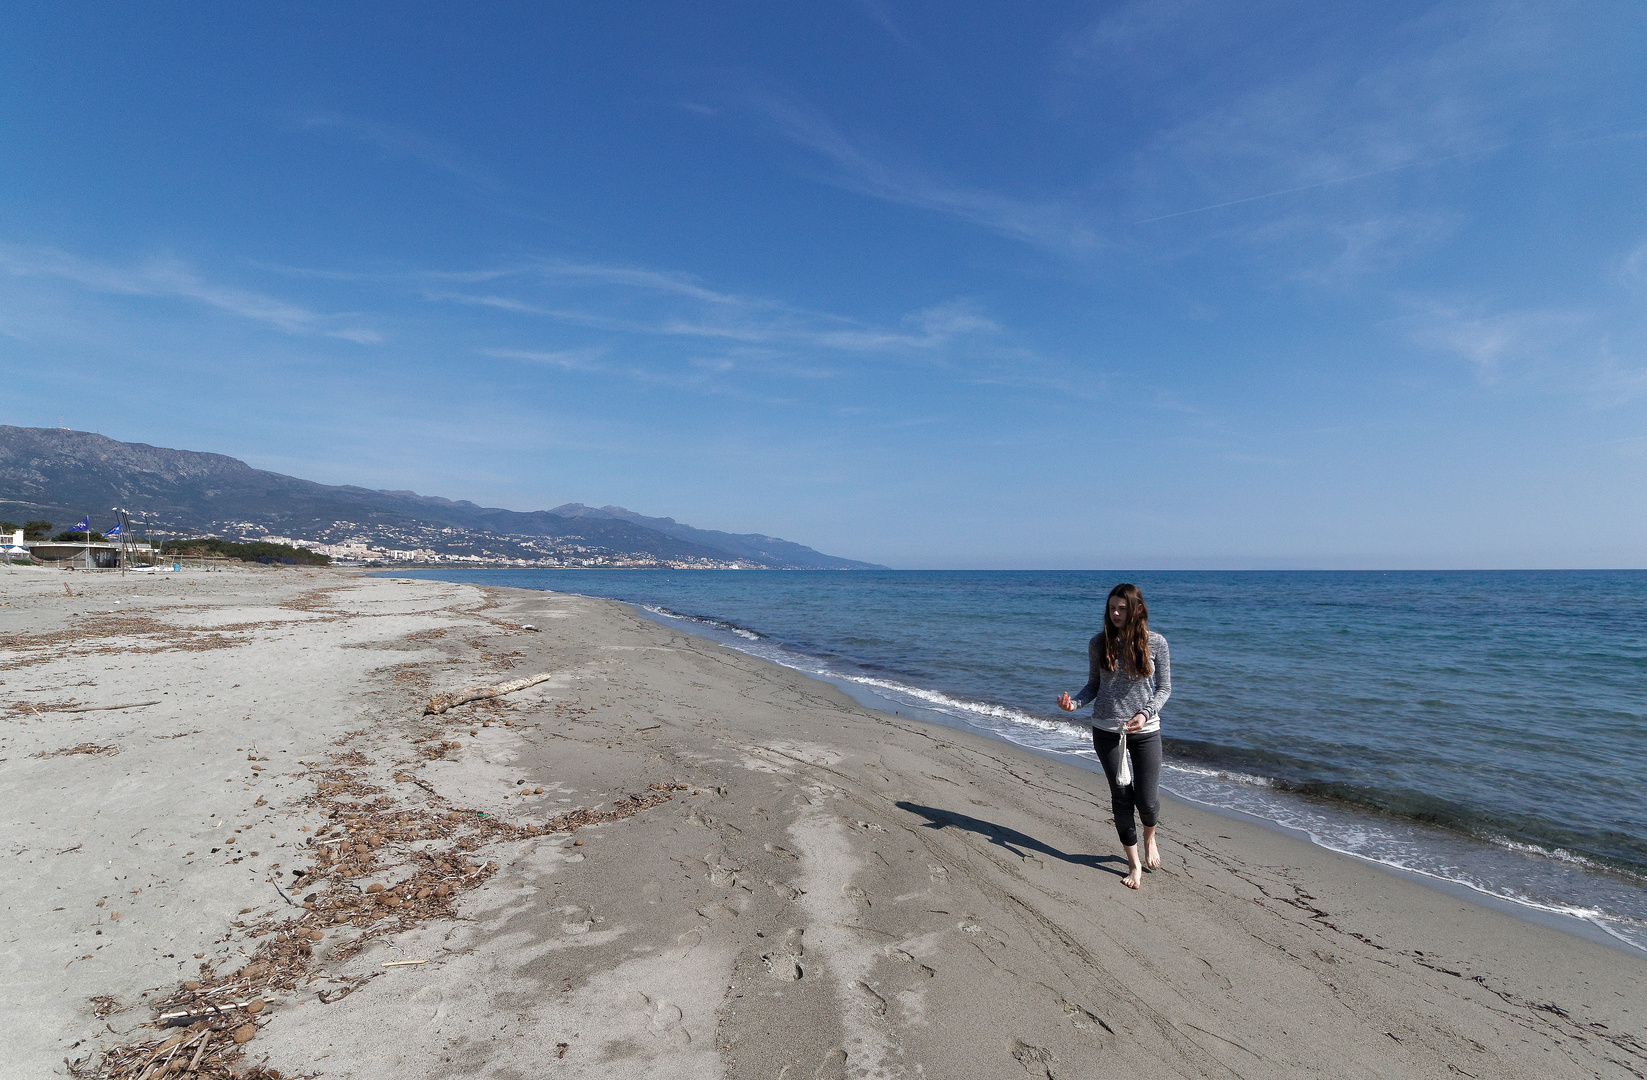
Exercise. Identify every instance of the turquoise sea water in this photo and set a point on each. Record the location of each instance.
(1487, 729)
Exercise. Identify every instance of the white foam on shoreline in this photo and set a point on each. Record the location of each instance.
(1414, 849)
(975, 708)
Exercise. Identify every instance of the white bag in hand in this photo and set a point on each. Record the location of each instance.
(1123, 775)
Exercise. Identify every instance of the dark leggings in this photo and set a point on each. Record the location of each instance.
(1146, 774)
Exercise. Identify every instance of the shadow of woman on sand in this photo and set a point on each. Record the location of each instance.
(1011, 839)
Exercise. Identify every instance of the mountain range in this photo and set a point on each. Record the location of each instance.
(59, 475)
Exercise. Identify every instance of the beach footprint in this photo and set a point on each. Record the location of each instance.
(1036, 1060)
(663, 1020)
(429, 1001)
(722, 870)
(684, 944)
(918, 969)
(784, 961)
(1214, 976)
(576, 919)
(832, 1067)
(872, 1001)
(1083, 1018)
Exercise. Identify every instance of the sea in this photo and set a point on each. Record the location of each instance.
(1483, 730)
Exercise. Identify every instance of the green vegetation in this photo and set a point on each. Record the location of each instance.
(254, 552)
(36, 530)
(79, 537)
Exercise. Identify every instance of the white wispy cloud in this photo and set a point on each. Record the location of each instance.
(1633, 447)
(1441, 89)
(1632, 270)
(685, 308)
(670, 328)
(498, 302)
(1343, 247)
(1355, 128)
(1562, 352)
(565, 359)
(1131, 26)
(1057, 224)
(359, 336)
(171, 279)
(635, 277)
(882, 17)
(1619, 380)
(757, 344)
(406, 143)
(1500, 345)
(644, 301)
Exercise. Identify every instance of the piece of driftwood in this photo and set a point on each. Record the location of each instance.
(403, 963)
(194, 1063)
(111, 708)
(189, 1016)
(441, 702)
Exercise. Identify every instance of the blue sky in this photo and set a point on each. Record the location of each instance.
(1159, 284)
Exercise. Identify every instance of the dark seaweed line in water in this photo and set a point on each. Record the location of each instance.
(1604, 850)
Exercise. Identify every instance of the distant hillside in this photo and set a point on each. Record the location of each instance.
(58, 475)
(768, 549)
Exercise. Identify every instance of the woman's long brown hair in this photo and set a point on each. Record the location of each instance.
(1131, 640)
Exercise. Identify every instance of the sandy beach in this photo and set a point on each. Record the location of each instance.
(666, 859)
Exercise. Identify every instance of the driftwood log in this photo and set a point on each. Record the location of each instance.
(439, 703)
(205, 1012)
(110, 708)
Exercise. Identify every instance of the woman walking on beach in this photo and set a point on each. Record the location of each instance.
(1129, 679)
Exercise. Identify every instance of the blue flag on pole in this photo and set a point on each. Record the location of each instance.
(113, 532)
(85, 523)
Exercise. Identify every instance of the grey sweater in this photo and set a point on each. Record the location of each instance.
(1117, 697)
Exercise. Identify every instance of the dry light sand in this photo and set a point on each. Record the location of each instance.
(800, 889)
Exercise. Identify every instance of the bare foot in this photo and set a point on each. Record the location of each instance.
(1152, 855)
(1135, 869)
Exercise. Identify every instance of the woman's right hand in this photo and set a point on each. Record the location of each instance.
(1065, 703)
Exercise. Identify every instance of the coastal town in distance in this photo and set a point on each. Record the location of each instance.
(347, 543)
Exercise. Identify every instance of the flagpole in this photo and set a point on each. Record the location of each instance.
(122, 519)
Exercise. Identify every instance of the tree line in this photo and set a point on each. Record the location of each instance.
(256, 551)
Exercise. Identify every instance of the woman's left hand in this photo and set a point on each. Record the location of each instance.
(1137, 723)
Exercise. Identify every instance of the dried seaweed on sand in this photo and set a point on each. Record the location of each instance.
(220, 1011)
